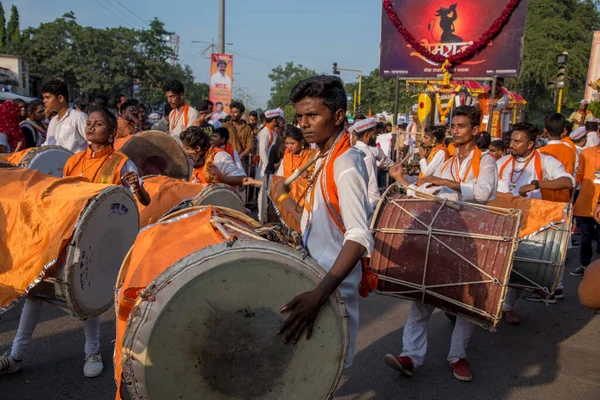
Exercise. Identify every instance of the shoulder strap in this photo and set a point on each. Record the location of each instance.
(109, 169)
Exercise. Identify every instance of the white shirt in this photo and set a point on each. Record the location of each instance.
(68, 131)
(237, 160)
(218, 115)
(219, 81)
(226, 165)
(592, 140)
(383, 161)
(472, 189)
(263, 151)
(371, 166)
(179, 125)
(429, 169)
(411, 128)
(551, 169)
(324, 240)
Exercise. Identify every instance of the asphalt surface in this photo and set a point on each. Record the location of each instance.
(553, 354)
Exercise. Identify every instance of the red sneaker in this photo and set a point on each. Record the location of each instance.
(461, 369)
(404, 364)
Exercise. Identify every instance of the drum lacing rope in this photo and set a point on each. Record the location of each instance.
(220, 223)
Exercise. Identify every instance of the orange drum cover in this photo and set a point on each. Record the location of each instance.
(457, 256)
(37, 218)
(13, 158)
(165, 194)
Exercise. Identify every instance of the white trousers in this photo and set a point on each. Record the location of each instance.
(30, 316)
(414, 340)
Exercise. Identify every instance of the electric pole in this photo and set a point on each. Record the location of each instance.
(221, 26)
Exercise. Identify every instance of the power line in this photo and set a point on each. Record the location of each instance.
(112, 12)
(131, 12)
(123, 15)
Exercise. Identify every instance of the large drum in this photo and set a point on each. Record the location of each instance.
(543, 241)
(49, 160)
(64, 240)
(156, 153)
(219, 194)
(198, 307)
(450, 255)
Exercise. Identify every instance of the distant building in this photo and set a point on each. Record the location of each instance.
(14, 75)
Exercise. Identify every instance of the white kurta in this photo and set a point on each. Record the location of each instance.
(429, 169)
(371, 165)
(264, 148)
(592, 140)
(551, 169)
(178, 123)
(323, 239)
(68, 131)
(226, 165)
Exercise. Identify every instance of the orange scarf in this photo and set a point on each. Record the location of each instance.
(175, 115)
(292, 162)
(230, 150)
(433, 152)
(537, 162)
(475, 165)
(329, 190)
(201, 174)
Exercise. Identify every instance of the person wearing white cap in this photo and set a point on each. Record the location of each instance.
(591, 129)
(579, 138)
(364, 135)
(266, 139)
(581, 116)
(474, 176)
(414, 125)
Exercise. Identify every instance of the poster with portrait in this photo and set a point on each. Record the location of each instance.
(448, 27)
(221, 79)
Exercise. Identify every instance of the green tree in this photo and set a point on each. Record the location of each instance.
(378, 94)
(283, 79)
(13, 33)
(2, 29)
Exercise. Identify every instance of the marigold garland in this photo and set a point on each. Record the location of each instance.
(467, 53)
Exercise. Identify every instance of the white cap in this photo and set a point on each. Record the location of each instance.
(274, 113)
(415, 108)
(584, 101)
(578, 133)
(365, 125)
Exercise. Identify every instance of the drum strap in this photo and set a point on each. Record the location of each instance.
(107, 174)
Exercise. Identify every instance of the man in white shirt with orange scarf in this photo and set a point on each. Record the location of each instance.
(182, 114)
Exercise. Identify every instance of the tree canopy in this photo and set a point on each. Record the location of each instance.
(283, 79)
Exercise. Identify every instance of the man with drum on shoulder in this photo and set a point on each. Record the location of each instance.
(335, 218)
(526, 172)
(100, 163)
(473, 175)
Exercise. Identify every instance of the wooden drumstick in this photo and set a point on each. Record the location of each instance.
(300, 171)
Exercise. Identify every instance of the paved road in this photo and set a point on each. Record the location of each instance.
(553, 354)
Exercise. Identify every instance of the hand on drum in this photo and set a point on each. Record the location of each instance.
(526, 189)
(279, 189)
(433, 180)
(214, 172)
(132, 178)
(397, 174)
(305, 308)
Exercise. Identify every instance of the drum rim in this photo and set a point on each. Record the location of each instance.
(195, 209)
(82, 222)
(216, 186)
(187, 169)
(193, 261)
(36, 151)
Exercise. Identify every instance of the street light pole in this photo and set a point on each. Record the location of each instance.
(360, 75)
(221, 26)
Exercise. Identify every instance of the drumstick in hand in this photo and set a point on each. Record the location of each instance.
(300, 171)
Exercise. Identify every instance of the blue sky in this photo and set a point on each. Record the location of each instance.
(264, 33)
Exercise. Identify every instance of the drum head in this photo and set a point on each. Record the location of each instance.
(155, 153)
(105, 232)
(208, 331)
(219, 194)
(48, 160)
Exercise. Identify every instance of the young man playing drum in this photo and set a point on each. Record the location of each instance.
(526, 172)
(474, 176)
(335, 218)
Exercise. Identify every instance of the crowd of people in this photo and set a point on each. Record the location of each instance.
(556, 163)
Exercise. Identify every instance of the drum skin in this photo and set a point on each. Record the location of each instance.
(222, 195)
(49, 160)
(156, 153)
(406, 251)
(204, 325)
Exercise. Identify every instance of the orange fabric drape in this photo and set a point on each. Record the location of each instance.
(570, 143)
(102, 167)
(14, 158)
(201, 175)
(451, 149)
(292, 162)
(165, 193)
(155, 249)
(567, 156)
(536, 213)
(37, 217)
(434, 151)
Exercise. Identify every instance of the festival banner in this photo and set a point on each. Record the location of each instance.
(446, 29)
(593, 79)
(221, 79)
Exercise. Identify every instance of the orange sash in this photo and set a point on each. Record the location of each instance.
(175, 115)
(537, 163)
(434, 151)
(230, 150)
(103, 167)
(475, 165)
(201, 174)
(332, 203)
(569, 142)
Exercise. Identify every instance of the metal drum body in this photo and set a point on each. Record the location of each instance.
(205, 326)
(540, 258)
(222, 195)
(450, 255)
(82, 281)
(156, 153)
(48, 160)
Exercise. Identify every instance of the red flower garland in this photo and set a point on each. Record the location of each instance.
(467, 53)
